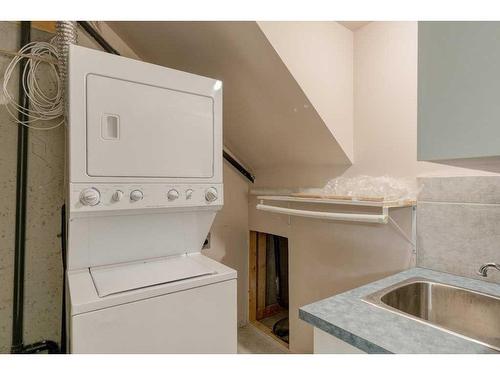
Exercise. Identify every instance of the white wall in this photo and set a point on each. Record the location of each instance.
(328, 47)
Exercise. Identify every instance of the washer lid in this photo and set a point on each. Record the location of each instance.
(135, 275)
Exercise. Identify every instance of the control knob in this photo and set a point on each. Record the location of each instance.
(117, 196)
(211, 194)
(189, 193)
(172, 195)
(136, 195)
(90, 197)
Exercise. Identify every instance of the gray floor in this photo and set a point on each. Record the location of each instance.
(252, 341)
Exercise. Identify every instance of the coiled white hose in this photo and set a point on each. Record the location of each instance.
(44, 106)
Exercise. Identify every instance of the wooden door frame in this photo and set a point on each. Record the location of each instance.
(257, 308)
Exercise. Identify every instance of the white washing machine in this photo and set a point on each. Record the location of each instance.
(145, 184)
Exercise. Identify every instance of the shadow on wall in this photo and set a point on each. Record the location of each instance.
(297, 176)
(229, 234)
(489, 164)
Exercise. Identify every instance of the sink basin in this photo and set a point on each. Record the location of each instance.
(463, 312)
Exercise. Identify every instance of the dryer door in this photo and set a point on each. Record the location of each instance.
(140, 130)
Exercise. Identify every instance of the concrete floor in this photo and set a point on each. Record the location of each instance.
(252, 341)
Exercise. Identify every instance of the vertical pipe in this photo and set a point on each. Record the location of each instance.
(21, 187)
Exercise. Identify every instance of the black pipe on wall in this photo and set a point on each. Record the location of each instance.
(20, 231)
(97, 37)
(108, 48)
(21, 184)
(250, 177)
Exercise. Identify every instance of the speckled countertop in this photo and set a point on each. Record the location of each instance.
(375, 330)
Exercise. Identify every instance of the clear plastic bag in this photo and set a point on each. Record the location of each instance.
(369, 187)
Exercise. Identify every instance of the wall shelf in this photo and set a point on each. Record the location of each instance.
(382, 218)
(338, 200)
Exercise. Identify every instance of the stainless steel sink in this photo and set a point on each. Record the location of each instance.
(463, 312)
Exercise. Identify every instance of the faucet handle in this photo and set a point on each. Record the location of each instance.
(483, 270)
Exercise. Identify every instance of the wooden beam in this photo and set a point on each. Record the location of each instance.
(261, 275)
(252, 278)
(49, 26)
(269, 332)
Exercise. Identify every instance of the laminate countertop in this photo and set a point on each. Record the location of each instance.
(376, 330)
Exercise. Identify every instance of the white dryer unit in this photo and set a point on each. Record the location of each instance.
(145, 184)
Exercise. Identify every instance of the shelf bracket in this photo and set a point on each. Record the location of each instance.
(412, 239)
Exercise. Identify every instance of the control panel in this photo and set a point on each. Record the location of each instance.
(107, 197)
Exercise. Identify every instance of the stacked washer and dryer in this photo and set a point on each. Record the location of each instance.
(145, 184)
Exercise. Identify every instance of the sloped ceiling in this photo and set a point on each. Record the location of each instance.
(268, 120)
(320, 55)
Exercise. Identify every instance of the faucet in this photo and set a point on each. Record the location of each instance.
(483, 270)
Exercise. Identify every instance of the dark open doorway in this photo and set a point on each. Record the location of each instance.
(268, 289)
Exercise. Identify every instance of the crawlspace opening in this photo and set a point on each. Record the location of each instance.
(268, 294)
